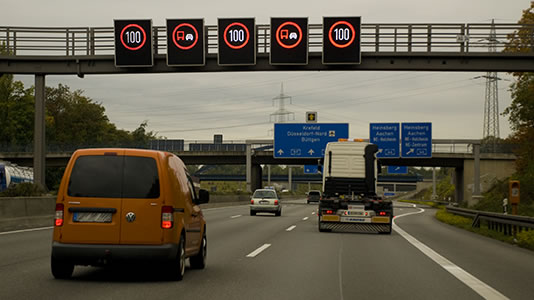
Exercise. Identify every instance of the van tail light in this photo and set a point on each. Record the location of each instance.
(59, 214)
(167, 217)
(275, 202)
(251, 201)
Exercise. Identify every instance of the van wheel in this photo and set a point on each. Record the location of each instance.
(252, 213)
(177, 266)
(61, 270)
(199, 261)
(278, 213)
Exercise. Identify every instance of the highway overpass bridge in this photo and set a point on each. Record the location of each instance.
(474, 171)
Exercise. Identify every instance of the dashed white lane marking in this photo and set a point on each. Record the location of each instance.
(259, 250)
(26, 230)
(291, 228)
(236, 216)
(484, 290)
(305, 218)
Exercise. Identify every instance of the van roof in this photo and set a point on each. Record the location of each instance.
(88, 151)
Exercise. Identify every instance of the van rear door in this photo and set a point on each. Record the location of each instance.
(141, 200)
(93, 199)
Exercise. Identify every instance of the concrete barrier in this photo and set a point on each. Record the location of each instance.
(26, 212)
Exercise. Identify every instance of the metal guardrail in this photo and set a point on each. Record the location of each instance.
(398, 38)
(507, 224)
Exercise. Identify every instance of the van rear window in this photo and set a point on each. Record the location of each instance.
(114, 177)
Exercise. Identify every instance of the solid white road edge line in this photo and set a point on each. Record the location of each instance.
(236, 216)
(26, 230)
(259, 250)
(484, 290)
(291, 228)
(305, 218)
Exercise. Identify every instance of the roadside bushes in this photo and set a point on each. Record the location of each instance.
(25, 189)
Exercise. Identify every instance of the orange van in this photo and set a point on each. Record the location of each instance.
(128, 205)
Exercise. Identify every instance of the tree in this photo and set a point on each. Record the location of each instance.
(521, 110)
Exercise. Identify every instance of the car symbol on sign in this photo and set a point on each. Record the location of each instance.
(189, 37)
(293, 35)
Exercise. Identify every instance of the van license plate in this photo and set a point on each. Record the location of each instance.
(92, 217)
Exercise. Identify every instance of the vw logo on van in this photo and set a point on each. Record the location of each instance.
(130, 217)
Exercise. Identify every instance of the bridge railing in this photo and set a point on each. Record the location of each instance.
(399, 38)
(438, 146)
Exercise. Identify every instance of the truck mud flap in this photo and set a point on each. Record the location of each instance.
(356, 227)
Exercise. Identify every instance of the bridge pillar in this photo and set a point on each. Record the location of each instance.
(476, 179)
(248, 167)
(39, 132)
(256, 177)
(459, 184)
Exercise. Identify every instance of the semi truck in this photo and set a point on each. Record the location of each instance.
(350, 202)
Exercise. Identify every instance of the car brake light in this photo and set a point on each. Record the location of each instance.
(167, 217)
(382, 213)
(59, 214)
(275, 202)
(329, 212)
(251, 201)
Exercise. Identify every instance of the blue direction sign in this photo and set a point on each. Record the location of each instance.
(387, 137)
(305, 140)
(397, 170)
(311, 169)
(417, 140)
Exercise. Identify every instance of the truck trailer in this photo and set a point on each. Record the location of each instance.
(350, 202)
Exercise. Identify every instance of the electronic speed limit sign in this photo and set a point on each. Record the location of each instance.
(185, 42)
(289, 41)
(341, 40)
(133, 43)
(237, 41)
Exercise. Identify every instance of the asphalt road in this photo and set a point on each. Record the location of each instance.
(299, 263)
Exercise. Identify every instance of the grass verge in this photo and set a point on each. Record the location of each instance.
(523, 239)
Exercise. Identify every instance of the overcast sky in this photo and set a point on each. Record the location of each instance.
(239, 105)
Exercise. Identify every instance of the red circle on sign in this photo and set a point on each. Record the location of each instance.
(142, 43)
(176, 42)
(351, 29)
(278, 37)
(246, 31)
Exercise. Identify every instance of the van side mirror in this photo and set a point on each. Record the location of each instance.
(203, 197)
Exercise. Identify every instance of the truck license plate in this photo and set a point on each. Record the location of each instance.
(355, 220)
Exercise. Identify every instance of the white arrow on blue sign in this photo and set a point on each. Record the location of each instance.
(397, 170)
(306, 140)
(387, 137)
(311, 169)
(417, 140)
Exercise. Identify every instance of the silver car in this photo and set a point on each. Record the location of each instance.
(265, 200)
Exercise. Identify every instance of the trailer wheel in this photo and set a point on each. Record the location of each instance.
(321, 226)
